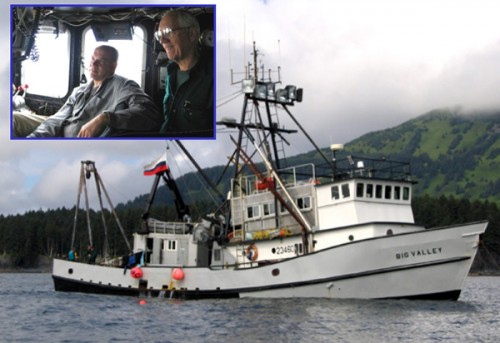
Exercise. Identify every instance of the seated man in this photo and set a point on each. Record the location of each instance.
(110, 105)
(188, 105)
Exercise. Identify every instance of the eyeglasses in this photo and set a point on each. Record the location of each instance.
(167, 33)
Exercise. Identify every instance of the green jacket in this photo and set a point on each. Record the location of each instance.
(189, 112)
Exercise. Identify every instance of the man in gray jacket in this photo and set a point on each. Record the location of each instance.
(110, 105)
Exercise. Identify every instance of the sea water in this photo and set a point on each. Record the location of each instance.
(31, 311)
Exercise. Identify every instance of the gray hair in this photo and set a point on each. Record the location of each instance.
(112, 52)
(185, 19)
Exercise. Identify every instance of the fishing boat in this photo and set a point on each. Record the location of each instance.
(341, 228)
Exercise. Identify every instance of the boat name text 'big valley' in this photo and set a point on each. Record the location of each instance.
(421, 252)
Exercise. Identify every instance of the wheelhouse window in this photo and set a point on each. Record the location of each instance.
(346, 193)
(397, 192)
(378, 191)
(360, 187)
(304, 203)
(369, 190)
(335, 192)
(131, 60)
(268, 209)
(406, 193)
(253, 212)
(49, 75)
(388, 191)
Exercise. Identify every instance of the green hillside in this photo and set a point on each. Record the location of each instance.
(450, 153)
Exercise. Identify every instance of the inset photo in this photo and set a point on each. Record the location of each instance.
(113, 72)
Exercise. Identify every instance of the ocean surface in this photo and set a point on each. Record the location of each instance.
(31, 311)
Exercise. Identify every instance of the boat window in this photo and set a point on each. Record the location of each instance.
(378, 191)
(131, 61)
(269, 209)
(388, 191)
(170, 245)
(253, 211)
(304, 203)
(335, 192)
(406, 193)
(282, 208)
(369, 190)
(345, 191)
(48, 76)
(397, 192)
(360, 187)
(217, 255)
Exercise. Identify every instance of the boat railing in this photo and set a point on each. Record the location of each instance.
(291, 177)
(353, 166)
(164, 227)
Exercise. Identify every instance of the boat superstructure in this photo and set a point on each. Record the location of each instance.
(342, 228)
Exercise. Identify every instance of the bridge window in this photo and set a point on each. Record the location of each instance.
(397, 192)
(388, 191)
(346, 193)
(335, 192)
(378, 191)
(406, 193)
(369, 190)
(360, 187)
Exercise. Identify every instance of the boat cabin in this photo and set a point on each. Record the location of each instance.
(352, 194)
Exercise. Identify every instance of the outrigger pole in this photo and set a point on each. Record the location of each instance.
(87, 168)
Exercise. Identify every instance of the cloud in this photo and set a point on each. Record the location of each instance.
(363, 65)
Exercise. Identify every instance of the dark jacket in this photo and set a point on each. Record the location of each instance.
(189, 112)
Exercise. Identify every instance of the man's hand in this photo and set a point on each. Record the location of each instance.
(94, 127)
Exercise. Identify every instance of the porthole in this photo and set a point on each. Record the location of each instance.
(389, 232)
(70, 271)
(351, 238)
(275, 272)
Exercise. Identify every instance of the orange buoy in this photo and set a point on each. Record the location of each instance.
(136, 272)
(178, 274)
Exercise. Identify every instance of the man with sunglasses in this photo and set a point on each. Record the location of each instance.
(110, 105)
(188, 103)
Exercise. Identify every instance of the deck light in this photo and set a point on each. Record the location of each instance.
(248, 86)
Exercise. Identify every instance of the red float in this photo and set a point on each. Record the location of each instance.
(178, 274)
(136, 272)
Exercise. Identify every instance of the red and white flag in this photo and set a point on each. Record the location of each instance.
(156, 167)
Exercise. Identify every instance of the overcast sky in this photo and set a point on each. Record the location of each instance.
(364, 66)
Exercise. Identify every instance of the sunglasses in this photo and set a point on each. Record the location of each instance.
(167, 33)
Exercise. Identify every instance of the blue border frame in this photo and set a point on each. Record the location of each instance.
(11, 70)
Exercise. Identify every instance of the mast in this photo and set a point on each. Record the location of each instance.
(256, 92)
(265, 141)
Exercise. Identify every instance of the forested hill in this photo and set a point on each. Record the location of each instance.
(454, 158)
(451, 154)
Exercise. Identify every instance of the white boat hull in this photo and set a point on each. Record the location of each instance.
(422, 264)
